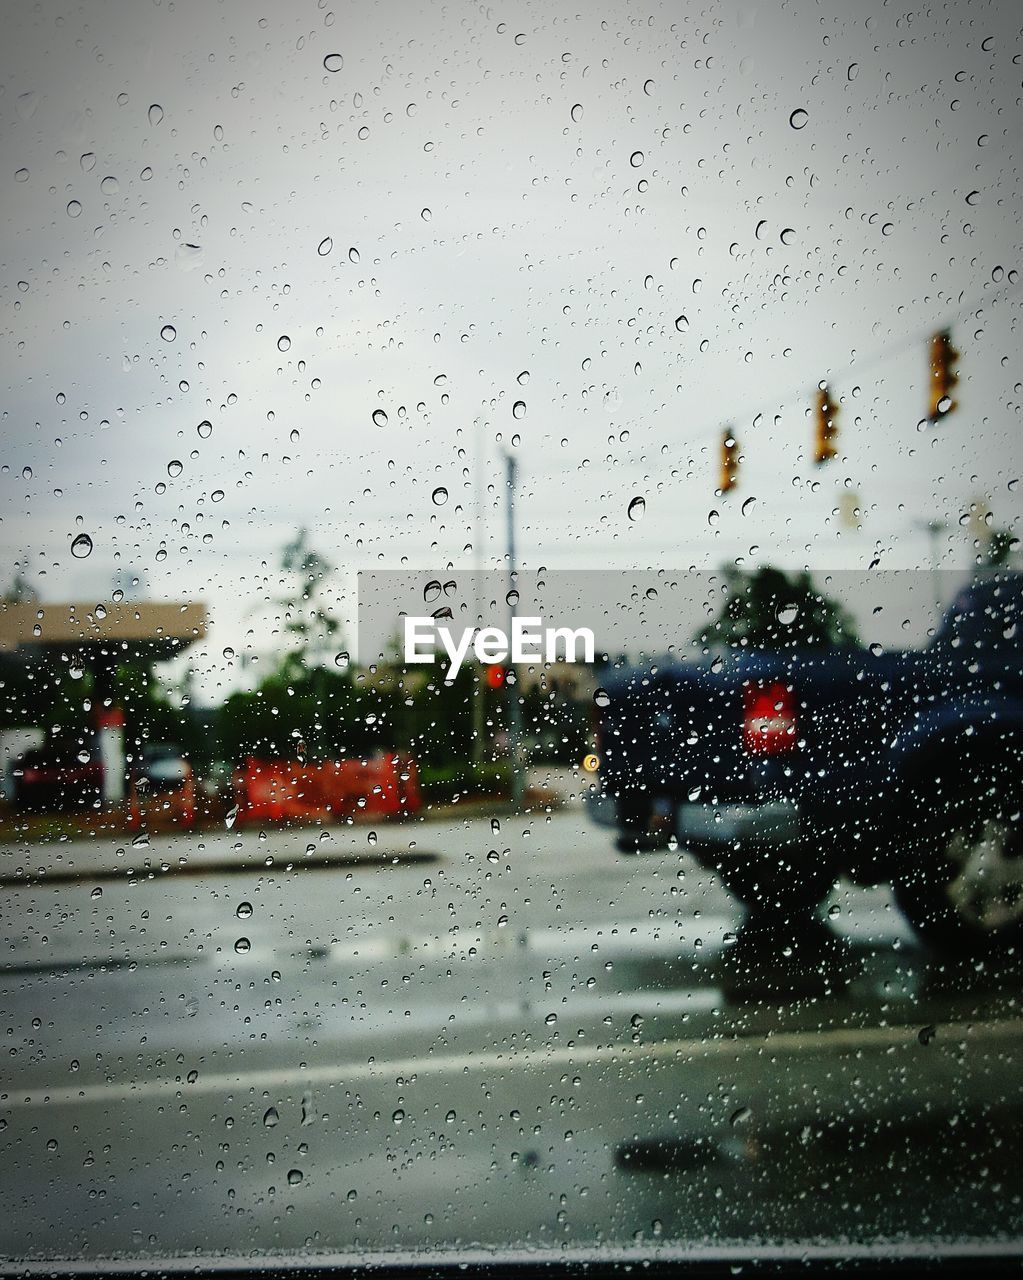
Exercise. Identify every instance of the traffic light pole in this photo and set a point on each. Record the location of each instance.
(514, 706)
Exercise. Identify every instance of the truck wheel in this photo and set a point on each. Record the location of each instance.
(961, 886)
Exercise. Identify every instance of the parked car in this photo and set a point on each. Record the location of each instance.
(162, 787)
(785, 770)
(64, 773)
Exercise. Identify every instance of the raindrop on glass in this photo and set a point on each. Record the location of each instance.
(81, 547)
(637, 508)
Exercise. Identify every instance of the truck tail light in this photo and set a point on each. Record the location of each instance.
(769, 718)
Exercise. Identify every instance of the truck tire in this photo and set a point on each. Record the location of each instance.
(960, 882)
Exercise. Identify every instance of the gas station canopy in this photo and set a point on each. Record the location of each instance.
(155, 631)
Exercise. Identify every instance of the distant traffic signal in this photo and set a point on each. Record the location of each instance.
(826, 426)
(944, 358)
(729, 461)
(496, 677)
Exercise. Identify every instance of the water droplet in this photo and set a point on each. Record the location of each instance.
(682, 323)
(294, 1177)
(551, 1019)
(788, 235)
(747, 506)
(787, 614)
(425, 214)
(353, 255)
(81, 546)
(519, 409)
(110, 186)
(74, 209)
(155, 114)
(217, 495)
(174, 468)
(636, 159)
(798, 118)
(97, 892)
(168, 333)
(341, 660)
(440, 496)
(284, 343)
(88, 161)
(325, 246)
(271, 1117)
(333, 62)
(577, 112)
(648, 87)
(637, 508)
(926, 1034)
(231, 816)
(852, 71)
(205, 429)
(21, 175)
(602, 698)
(398, 1116)
(242, 945)
(379, 418)
(740, 1116)
(243, 910)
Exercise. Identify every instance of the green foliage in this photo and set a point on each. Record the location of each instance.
(769, 609)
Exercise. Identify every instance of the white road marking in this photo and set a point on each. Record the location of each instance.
(812, 1041)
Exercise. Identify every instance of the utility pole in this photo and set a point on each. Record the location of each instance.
(934, 528)
(518, 778)
(479, 699)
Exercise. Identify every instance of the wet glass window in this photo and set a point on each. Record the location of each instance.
(511, 712)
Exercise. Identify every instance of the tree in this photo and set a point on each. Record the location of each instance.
(769, 609)
(306, 575)
(1001, 545)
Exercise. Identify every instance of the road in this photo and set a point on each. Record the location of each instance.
(480, 1035)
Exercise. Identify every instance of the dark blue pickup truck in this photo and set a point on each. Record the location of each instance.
(784, 770)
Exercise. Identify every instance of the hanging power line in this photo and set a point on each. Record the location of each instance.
(943, 379)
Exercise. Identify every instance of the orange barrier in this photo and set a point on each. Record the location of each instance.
(285, 790)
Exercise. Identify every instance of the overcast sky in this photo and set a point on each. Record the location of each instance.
(641, 221)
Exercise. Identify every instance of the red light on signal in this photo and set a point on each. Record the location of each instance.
(495, 677)
(769, 718)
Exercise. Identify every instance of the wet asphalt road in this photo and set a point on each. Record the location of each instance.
(519, 1040)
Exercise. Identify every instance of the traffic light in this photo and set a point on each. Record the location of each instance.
(944, 358)
(496, 676)
(826, 424)
(729, 461)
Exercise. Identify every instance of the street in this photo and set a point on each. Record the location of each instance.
(512, 1037)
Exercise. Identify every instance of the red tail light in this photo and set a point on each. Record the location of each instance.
(769, 718)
